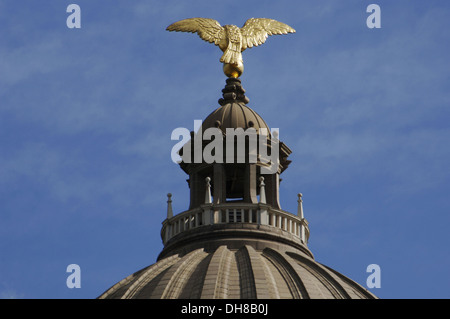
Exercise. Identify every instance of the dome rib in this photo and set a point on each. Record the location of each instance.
(338, 284)
(331, 287)
(217, 275)
(260, 278)
(272, 287)
(128, 287)
(194, 285)
(148, 276)
(246, 278)
(175, 279)
(355, 290)
(294, 283)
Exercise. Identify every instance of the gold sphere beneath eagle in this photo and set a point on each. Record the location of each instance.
(233, 70)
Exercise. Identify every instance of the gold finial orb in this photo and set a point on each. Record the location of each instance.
(233, 70)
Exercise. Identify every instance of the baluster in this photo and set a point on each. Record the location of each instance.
(263, 213)
(169, 206)
(302, 217)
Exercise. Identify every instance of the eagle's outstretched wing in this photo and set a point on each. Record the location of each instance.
(255, 31)
(208, 29)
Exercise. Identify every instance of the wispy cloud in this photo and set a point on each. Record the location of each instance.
(11, 294)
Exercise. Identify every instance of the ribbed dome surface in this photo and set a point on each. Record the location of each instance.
(235, 115)
(243, 273)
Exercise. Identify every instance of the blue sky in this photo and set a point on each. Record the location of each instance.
(86, 117)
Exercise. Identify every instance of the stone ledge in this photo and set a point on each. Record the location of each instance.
(211, 236)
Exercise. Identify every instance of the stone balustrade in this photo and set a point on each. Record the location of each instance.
(227, 213)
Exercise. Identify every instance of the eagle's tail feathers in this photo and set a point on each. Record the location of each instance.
(232, 54)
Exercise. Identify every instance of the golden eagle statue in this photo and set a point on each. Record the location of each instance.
(231, 39)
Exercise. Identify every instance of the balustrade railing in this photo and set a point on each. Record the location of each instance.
(228, 213)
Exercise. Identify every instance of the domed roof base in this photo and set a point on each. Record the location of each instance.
(237, 273)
